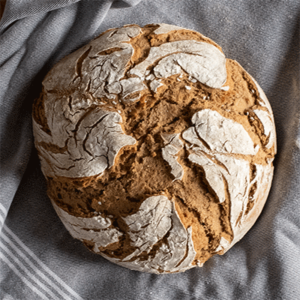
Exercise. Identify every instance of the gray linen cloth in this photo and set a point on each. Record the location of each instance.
(38, 257)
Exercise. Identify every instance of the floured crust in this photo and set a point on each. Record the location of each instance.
(157, 150)
(96, 229)
(173, 145)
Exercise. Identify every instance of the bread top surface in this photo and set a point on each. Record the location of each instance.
(155, 134)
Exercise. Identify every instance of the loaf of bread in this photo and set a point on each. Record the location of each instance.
(157, 150)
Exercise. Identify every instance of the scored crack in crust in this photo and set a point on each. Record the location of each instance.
(157, 150)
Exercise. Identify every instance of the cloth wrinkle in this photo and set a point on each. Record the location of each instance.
(38, 257)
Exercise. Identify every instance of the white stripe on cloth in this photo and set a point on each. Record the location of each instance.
(20, 275)
(1, 218)
(36, 261)
(19, 265)
(35, 270)
(3, 209)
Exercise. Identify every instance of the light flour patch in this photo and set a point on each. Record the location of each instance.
(267, 123)
(150, 224)
(165, 28)
(213, 173)
(223, 246)
(208, 62)
(91, 147)
(170, 151)
(238, 179)
(221, 134)
(131, 85)
(155, 84)
(177, 254)
(95, 229)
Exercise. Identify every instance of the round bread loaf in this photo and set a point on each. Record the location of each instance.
(157, 150)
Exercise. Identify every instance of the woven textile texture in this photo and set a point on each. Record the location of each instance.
(38, 257)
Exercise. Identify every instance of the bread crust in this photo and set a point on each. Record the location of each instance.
(157, 150)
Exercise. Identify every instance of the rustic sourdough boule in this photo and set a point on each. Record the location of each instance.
(157, 150)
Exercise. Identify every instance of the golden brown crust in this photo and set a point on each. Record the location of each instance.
(140, 171)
